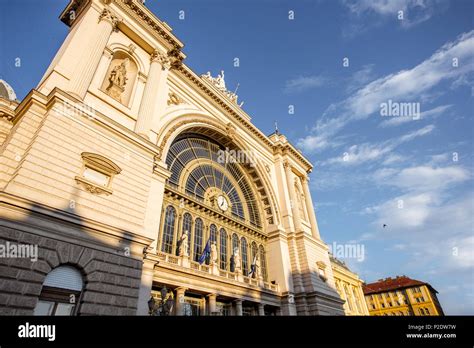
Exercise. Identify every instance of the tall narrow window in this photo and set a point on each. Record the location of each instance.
(213, 233)
(235, 247)
(263, 263)
(197, 239)
(187, 225)
(168, 230)
(223, 249)
(245, 265)
(235, 242)
(60, 293)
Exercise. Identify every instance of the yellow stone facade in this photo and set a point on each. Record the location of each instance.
(111, 166)
(412, 298)
(349, 288)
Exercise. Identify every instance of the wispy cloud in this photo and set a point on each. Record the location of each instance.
(366, 152)
(403, 86)
(303, 83)
(434, 112)
(413, 12)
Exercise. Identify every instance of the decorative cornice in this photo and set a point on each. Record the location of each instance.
(139, 12)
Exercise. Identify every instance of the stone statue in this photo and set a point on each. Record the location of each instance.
(118, 75)
(213, 253)
(183, 244)
(220, 82)
(237, 261)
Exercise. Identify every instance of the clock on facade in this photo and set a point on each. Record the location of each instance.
(222, 203)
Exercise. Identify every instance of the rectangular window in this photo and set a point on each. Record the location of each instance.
(96, 176)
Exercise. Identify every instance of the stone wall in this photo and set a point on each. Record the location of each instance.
(111, 280)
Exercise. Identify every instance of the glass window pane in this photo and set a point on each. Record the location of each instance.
(43, 308)
(64, 309)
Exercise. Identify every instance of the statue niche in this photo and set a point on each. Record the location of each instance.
(120, 77)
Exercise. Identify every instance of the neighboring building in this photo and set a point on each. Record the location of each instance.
(123, 162)
(349, 288)
(401, 296)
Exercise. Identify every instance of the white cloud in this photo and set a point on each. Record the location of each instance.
(304, 83)
(359, 154)
(403, 86)
(414, 11)
(434, 112)
(422, 178)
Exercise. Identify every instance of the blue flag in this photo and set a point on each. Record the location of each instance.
(206, 253)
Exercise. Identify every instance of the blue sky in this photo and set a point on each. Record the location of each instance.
(414, 175)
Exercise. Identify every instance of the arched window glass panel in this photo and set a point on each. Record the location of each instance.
(359, 309)
(245, 264)
(348, 298)
(213, 233)
(253, 251)
(263, 263)
(197, 239)
(223, 250)
(168, 230)
(235, 242)
(61, 285)
(187, 225)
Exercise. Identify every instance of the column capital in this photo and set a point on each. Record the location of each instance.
(162, 58)
(109, 16)
(211, 295)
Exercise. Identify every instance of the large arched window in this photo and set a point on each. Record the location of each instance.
(214, 175)
(187, 225)
(223, 249)
(263, 263)
(61, 292)
(197, 239)
(245, 264)
(168, 230)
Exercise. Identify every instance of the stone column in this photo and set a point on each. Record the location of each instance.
(238, 307)
(311, 212)
(261, 309)
(180, 300)
(91, 54)
(144, 293)
(212, 303)
(159, 63)
(294, 202)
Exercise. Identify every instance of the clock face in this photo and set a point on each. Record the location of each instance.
(222, 203)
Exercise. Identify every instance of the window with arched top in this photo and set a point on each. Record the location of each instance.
(213, 233)
(263, 263)
(235, 242)
(168, 230)
(223, 249)
(61, 292)
(245, 265)
(197, 239)
(187, 225)
(120, 77)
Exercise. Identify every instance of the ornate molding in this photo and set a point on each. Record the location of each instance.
(174, 99)
(92, 187)
(230, 130)
(107, 15)
(162, 58)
